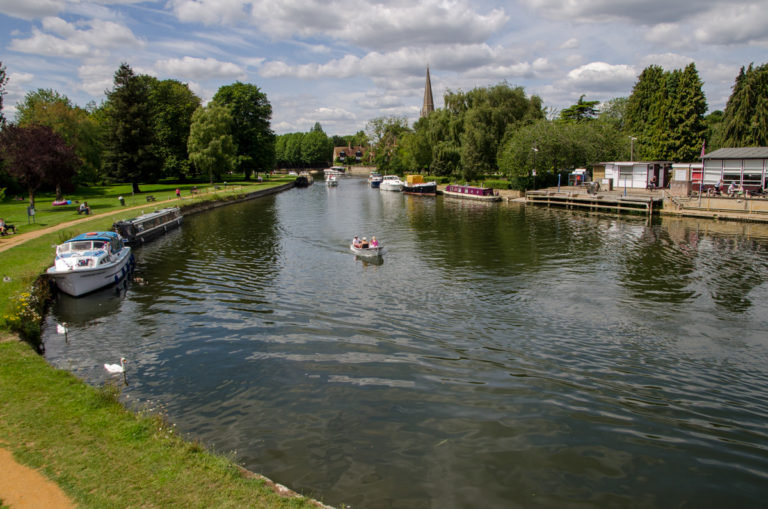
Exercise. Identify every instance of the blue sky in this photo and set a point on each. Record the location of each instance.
(344, 62)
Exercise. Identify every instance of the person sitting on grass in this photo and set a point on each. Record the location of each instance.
(84, 208)
(4, 228)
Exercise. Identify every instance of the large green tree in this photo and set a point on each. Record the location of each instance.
(76, 125)
(211, 145)
(745, 120)
(130, 151)
(252, 131)
(316, 147)
(173, 105)
(580, 112)
(665, 112)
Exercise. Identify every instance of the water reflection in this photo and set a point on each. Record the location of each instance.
(502, 356)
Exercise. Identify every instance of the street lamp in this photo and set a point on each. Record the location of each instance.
(632, 148)
(534, 167)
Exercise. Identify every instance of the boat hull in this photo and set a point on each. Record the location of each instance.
(140, 229)
(369, 252)
(429, 189)
(80, 281)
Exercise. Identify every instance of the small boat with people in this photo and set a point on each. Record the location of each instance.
(366, 249)
(90, 261)
(374, 180)
(331, 180)
(472, 193)
(139, 229)
(391, 183)
(415, 184)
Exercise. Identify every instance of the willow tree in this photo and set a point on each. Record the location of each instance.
(211, 146)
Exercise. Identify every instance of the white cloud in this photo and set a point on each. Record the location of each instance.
(668, 61)
(67, 40)
(31, 9)
(95, 79)
(599, 76)
(742, 24)
(645, 12)
(371, 24)
(571, 43)
(200, 68)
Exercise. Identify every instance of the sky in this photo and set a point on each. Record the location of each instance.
(345, 62)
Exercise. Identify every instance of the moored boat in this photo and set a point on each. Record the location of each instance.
(414, 184)
(391, 183)
(90, 261)
(471, 193)
(139, 229)
(374, 179)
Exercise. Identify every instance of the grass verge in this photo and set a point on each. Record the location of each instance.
(103, 455)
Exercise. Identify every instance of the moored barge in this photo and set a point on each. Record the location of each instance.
(145, 227)
(471, 193)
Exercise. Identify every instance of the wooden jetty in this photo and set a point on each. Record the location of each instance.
(582, 199)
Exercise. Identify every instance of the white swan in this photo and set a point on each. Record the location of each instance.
(116, 368)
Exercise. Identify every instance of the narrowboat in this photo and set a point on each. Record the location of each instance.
(147, 226)
(471, 193)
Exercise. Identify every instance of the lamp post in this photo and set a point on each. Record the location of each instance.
(632, 148)
(534, 167)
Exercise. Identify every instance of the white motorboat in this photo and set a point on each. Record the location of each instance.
(374, 180)
(367, 252)
(90, 261)
(391, 183)
(331, 180)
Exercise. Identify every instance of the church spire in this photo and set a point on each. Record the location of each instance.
(429, 104)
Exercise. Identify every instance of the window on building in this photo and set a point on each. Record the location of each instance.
(713, 170)
(753, 172)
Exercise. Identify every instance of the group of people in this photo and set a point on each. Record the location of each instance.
(733, 189)
(4, 228)
(364, 244)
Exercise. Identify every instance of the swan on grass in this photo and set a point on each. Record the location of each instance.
(116, 368)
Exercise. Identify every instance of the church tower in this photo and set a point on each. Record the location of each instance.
(429, 104)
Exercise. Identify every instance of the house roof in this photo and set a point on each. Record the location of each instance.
(739, 153)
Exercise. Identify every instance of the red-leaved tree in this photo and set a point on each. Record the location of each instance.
(35, 155)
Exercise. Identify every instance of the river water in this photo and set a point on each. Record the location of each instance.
(500, 355)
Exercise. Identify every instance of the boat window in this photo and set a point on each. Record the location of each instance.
(81, 246)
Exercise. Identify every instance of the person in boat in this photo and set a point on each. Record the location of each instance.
(356, 241)
(374, 242)
(364, 243)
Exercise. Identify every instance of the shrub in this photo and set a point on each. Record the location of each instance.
(497, 184)
(26, 313)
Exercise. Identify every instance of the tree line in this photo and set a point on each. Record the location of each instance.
(499, 130)
(145, 129)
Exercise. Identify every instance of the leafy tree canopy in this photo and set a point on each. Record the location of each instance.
(211, 144)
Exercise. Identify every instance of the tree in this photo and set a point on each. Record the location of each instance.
(580, 112)
(211, 145)
(173, 105)
(745, 120)
(251, 116)
(688, 129)
(316, 147)
(129, 140)
(78, 127)
(642, 108)
(614, 111)
(3, 82)
(36, 155)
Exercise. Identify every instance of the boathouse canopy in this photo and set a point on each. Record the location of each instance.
(743, 166)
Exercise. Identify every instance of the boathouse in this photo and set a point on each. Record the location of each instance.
(743, 166)
(635, 174)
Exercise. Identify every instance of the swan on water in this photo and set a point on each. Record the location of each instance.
(116, 368)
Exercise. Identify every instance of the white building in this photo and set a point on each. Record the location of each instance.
(637, 174)
(743, 166)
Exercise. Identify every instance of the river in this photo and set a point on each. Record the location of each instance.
(499, 356)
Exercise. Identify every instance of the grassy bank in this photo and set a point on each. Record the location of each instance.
(104, 456)
(21, 265)
(101, 454)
